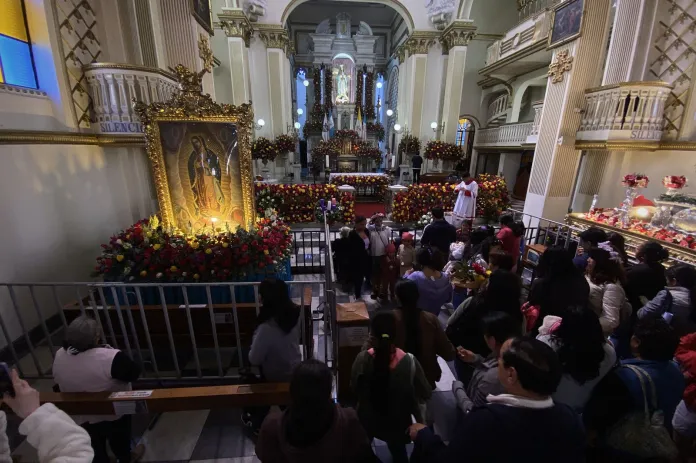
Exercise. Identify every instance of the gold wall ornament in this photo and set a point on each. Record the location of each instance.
(236, 24)
(420, 42)
(205, 53)
(562, 64)
(400, 53)
(457, 34)
(273, 36)
(211, 161)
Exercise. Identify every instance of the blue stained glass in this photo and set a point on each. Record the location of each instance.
(16, 62)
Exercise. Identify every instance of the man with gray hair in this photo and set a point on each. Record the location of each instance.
(86, 365)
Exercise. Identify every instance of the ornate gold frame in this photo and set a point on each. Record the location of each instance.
(191, 105)
(550, 45)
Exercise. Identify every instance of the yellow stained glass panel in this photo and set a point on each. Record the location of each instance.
(2, 78)
(12, 20)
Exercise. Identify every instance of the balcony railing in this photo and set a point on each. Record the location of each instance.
(505, 135)
(538, 107)
(497, 110)
(532, 30)
(113, 87)
(527, 8)
(626, 111)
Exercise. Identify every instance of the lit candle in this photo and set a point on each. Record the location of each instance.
(327, 161)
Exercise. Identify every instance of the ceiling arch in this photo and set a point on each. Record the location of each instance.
(395, 4)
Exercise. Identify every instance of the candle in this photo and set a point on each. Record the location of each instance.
(393, 160)
(327, 161)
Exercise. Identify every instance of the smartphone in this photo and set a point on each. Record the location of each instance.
(6, 381)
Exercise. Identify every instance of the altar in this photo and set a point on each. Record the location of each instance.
(367, 185)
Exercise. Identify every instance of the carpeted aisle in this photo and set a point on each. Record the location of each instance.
(369, 209)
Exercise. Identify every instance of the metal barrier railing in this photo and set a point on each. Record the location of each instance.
(547, 232)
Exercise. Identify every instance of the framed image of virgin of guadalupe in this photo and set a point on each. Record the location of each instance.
(200, 153)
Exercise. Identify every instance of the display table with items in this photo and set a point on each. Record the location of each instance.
(669, 220)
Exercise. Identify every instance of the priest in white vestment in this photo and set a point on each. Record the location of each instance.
(465, 208)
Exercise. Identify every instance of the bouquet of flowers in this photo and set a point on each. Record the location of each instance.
(346, 135)
(471, 276)
(311, 127)
(493, 197)
(334, 215)
(285, 143)
(436, 149)
(635, 181)
(674, 182)
(325, 148)
(296, 203)
(376, 128)
(147, 252)
(264, 149)
(363, 149)
(409, 144)
(424, 221)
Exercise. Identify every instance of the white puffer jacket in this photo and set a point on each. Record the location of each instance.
(53, 434)
(609, 302)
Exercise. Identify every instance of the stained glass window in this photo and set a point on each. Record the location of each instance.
(16, 60)
(465, 129)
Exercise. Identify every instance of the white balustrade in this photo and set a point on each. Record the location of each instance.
(624, 111)
(498, 109)
(113, 87)
(531, 30)
(505, 135)
(538, 107)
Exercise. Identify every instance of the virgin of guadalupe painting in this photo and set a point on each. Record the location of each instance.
(205, 175)
(567, 22)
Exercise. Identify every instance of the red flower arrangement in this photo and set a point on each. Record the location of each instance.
(675, 182)
(329, 148)
(264, 149)
(409, 144)
(147, 252)
(377, 129)
(635, 181)
(411, 205)
(297, 203)
(379, 182)
(441, 150)
(364, 149)
(285, 143)
(346, 135)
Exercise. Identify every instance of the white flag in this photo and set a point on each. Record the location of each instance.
(331, 123)
(325, 129)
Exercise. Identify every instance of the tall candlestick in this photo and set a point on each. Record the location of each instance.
(327, 161)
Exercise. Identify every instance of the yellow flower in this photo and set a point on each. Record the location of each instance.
(143, 273)
(224, 245)
(156, 247)
(119, 258)
(208, 251)
(196, 276)
(173, 268)
(195, 244)
(265, 251)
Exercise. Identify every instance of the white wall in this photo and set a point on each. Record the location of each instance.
(471, 97)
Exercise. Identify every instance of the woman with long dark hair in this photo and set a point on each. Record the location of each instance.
(677, 299)
(313, 428)
(559, 284)
(360, 263)
(502, 294)
(647, 278)
(389, 384)
(275, 347)
(585, 355)
(607, 296)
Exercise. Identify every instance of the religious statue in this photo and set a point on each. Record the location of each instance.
(205, 175)
(342, 86)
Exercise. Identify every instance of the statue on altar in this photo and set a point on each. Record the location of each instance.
(342, 86)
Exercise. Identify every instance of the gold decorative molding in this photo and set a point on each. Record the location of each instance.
(400, 53)
(128, 67)
(273, 36)
(457, 34)
(562, 64)
(37, 137)
(628, 145)
(236, 24)
(205, 53)
(640, 83)
(420, 42)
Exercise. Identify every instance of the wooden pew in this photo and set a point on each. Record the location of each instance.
(175, 399)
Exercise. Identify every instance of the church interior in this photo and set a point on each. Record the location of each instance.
(163, 158)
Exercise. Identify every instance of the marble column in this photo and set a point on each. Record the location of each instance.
(238, 30)
(573, 69)
(275, 38)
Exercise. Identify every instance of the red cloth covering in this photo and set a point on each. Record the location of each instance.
(642, 201)
(686, 356)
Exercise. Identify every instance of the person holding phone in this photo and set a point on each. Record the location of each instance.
(86, 365)
(53, 434)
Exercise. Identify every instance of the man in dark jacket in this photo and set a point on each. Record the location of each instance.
(509, 427)
(589, 239)
(416, 163)
(439, 233)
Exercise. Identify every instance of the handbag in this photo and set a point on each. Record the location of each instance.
(642, 433)
(421, 410)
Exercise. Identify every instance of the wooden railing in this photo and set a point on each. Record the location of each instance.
(625, 111)
(113, 87)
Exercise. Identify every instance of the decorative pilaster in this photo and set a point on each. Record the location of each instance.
(275, 38)
(235, 24)
(455, 40)
(458, 34)
(238, 30)
(555, 158)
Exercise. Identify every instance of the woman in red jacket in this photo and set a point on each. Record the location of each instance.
(510, 235)
(684, 421)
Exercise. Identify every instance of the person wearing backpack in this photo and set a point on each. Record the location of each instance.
(677, 302)
(630, 411)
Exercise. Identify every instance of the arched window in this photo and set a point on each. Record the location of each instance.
(16, 60)
(465, 131)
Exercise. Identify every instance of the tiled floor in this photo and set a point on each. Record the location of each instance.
(218, 435)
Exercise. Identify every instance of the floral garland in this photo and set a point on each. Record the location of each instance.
(345, 134)
(635, 181)
(330, 148)
(678, 198)
(377, 129)
(409, 144)
(369, 107)
(316, 116)
(297, 203)
(418, 200)
(441, 150)
(312, 126)
(285, 143)
(264, 149)
(380, 183)
(328, 90)
(146, 252)
(359, 93)
(364, 149)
